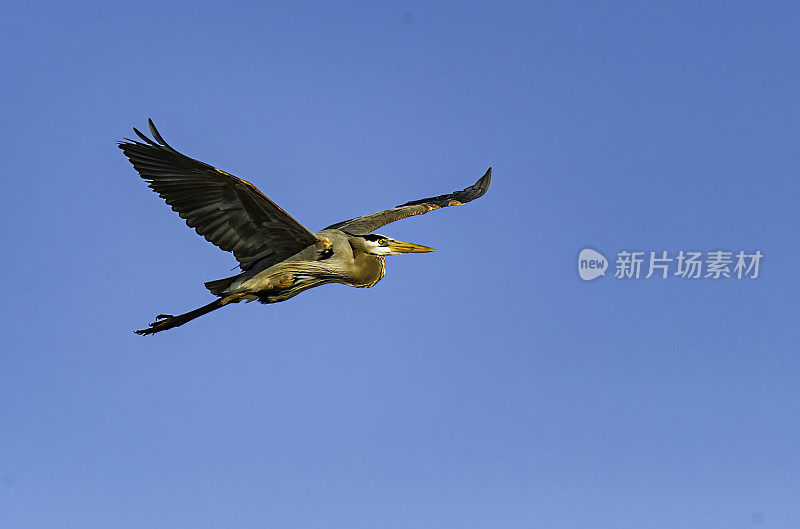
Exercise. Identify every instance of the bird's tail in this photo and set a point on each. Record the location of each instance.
(167, 321)
(219, 286)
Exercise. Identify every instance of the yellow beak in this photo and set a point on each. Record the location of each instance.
(399, 247)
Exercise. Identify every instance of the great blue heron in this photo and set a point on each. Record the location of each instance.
(278, 256)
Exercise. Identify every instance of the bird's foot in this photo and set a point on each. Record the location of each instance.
(162, 323)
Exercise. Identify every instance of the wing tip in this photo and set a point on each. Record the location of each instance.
(156, 141)
(154, 132)
(487, 176)
(483, 183)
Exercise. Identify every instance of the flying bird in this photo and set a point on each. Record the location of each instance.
(278, 256)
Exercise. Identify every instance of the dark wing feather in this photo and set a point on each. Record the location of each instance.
(373, 221)
(228, 211)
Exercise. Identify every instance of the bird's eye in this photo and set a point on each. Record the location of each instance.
(384, 242)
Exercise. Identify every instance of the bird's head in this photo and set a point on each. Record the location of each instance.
(381, 245)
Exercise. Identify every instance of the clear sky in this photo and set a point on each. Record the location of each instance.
(483, 385)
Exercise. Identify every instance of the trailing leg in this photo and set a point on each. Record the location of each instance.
(167, 321)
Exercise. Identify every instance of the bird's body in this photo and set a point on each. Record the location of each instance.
(331, 260)
(279, 257)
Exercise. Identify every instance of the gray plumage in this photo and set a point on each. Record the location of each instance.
(279, 257)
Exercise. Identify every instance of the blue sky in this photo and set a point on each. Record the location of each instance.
(482, 385)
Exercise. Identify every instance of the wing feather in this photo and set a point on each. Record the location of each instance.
(369, 223)
(227, 211)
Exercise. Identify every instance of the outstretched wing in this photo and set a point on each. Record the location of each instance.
(228, 211)
(373, 221)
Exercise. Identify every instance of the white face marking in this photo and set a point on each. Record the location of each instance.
(379, 246)
(382, 250)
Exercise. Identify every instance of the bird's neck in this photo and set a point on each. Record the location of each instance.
(368, 269)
